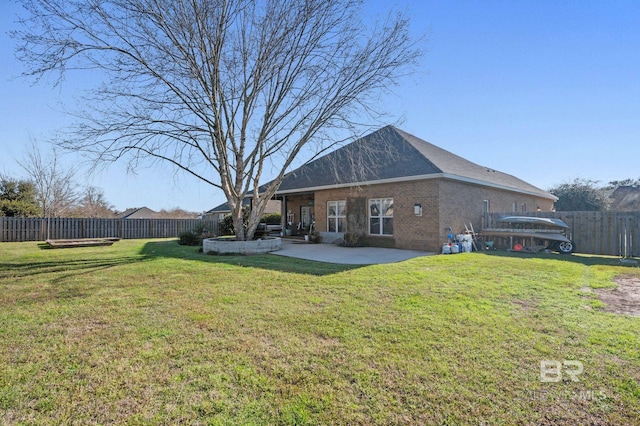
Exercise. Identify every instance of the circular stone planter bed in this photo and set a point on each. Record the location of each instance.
(231, 246)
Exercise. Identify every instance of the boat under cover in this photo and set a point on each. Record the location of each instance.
(530, 233)
(529, 220)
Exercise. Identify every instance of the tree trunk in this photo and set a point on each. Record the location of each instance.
(238, 222)
(255, 217)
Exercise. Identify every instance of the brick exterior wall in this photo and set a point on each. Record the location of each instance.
(463, 203)
(409, 231)
(445, 203)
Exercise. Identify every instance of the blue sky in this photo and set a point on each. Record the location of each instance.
(548, 91)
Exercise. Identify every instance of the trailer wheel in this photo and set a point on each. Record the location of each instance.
(564, 247)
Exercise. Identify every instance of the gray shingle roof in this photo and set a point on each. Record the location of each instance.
(392, 154)
(137, 213)
(273, 206)
(224, 207)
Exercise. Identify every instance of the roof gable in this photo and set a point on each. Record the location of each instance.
(453, 165)
(384, 154)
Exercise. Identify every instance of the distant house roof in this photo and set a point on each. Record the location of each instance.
(392, 155)
(137, 213)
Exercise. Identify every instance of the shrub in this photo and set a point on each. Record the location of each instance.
(272, 219)
(194, 236)
(201, 229)
(354, 239)
(226, 226)
(189, 238)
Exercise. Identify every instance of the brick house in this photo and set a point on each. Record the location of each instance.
(392, 189)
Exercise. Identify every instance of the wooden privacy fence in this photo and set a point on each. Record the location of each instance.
(608, 233)
(14, 229)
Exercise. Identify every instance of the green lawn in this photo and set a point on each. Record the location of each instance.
(150, 332)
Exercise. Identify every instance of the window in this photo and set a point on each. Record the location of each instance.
(337, 216)
(485, 206)
(381, 216)
(524, 207)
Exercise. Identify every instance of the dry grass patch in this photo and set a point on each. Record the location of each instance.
(624, 299)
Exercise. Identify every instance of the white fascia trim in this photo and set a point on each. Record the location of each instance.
(364, 183)
(497, 186)
(413, 178)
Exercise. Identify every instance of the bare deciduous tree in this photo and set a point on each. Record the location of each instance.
(229, 91)
(93, 203)
(177, 213)
(56, 187)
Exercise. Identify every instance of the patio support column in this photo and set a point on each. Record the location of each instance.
(283, 216)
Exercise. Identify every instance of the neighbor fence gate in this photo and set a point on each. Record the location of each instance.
(15, 229)
(607, 233)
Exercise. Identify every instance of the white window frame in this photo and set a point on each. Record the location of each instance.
(338, 216)
(381, 217)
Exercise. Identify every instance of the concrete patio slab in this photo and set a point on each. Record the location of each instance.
(331, 253)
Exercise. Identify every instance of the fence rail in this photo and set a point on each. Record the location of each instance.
(15, 229)
(607, 233)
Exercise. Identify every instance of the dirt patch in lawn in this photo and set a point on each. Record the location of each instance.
(625, 298)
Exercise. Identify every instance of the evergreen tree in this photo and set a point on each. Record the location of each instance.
(17, 198)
